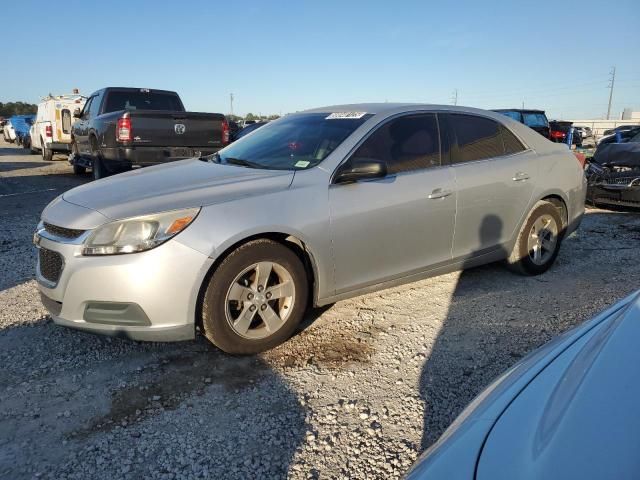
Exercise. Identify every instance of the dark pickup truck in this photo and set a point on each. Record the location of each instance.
(119, 128)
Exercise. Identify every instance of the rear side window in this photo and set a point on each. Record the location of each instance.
(477, 138)
(535, 120)
(405, 144)
(515, 115)
(66, 121)
(511, 143)
(141, 100)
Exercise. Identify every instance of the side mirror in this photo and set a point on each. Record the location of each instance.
(361, 169)
(76, 113)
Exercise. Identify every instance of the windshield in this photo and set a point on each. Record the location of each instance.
(294, 142)
(136, 100)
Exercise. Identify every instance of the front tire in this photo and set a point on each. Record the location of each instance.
(255, 299)
(538, 241)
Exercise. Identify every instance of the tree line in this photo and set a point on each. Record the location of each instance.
(17, 108)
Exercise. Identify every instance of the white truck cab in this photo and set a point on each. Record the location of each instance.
(51, 132)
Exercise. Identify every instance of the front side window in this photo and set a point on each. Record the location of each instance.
(87, 107)
(295, 142)
(404, 144)
(477, 138)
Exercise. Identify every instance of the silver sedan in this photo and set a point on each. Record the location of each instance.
(313, 208)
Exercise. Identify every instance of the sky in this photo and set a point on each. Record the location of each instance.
(283, 56)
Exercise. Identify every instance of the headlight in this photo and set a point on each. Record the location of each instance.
(138, 233)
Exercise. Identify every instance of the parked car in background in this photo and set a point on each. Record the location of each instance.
(234, 128)
(621, 129)
(559, 130)
(246, 123)
(248, 129)
(315, 207)
(534, 119)
(122, 127)
(585, 132)
(620, 136)
(568, 410)
(52, 130)
(21, 125)
(613, 174)
(8, 132)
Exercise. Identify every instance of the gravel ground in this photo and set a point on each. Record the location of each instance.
(358, 393)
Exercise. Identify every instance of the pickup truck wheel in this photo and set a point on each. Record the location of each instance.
(538, 242)
(99, 170)
(47, 153)
(255, 299)
(77, 169)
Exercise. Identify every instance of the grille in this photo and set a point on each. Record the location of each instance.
(62, 232)
(51, 264)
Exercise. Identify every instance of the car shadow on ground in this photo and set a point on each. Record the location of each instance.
(523, 309)
(236, 414)
(9, 166)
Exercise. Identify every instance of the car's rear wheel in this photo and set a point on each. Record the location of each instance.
(538, 241)
(47, 153)
(255, 299)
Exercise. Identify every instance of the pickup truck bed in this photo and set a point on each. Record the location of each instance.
(118, 132)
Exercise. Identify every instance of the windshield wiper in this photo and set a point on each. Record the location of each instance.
(213, 157)
(241, 162)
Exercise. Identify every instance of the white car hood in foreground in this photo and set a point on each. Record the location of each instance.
(172, 186)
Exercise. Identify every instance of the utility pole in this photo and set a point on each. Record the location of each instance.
(522, 104)
(231, 102)
(454, 97)
(612, 81)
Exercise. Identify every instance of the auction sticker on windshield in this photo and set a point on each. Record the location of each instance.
(347, 115)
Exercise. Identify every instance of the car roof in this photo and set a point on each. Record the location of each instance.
(521, 110)
(392, 108)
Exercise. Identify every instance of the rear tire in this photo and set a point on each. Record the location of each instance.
(47, 153)
(99, 170)
(538, 241)
(242, 311)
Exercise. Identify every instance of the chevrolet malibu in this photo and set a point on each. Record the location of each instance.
(310, 209)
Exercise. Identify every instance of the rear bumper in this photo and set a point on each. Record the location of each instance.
(59, 146)
(151, 155)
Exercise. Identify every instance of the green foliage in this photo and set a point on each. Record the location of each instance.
(17, 108)
(250, 116)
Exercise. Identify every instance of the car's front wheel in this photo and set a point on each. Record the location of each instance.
(255, 299)
(538, 241)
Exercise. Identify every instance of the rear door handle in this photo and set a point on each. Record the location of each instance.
(520, 177)
(439, 193)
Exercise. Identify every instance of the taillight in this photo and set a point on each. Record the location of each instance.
(225, 132)
(48, 131)
(581, 157)
(557, 134)
(124, 132)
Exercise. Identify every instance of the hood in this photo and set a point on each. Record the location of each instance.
(579, 417)
(175, 185)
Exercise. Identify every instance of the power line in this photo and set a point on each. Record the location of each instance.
(613, 80)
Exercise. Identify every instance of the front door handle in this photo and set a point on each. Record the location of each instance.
(439, 193)
(520, 177)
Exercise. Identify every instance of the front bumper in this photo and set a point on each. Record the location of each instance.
(154, 292)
